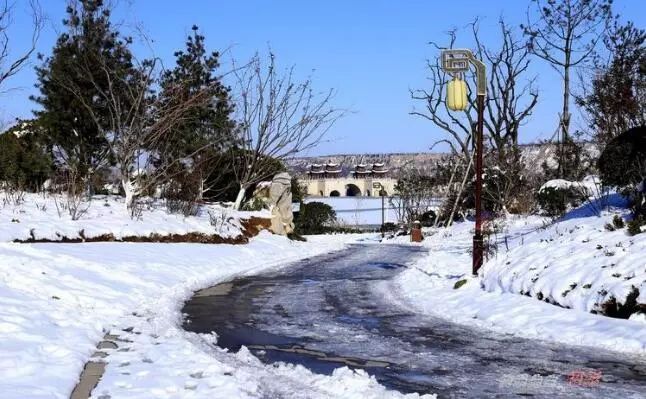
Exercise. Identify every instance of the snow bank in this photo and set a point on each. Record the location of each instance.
(575, 263)
(571, 252)
(44, 217)
(57, 301)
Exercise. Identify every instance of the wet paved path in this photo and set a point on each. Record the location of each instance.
(330, 311)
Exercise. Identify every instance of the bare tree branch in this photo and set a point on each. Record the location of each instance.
(10, 64)
(278, 118)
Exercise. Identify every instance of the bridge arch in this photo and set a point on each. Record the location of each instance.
(335, 193)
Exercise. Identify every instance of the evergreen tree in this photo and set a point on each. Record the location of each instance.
(195, 71)
(207, 131)
(616, 101)
(67, 94)
(24, 162)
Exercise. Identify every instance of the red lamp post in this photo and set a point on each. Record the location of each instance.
(456, 62)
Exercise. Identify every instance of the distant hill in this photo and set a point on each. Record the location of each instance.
(426, 161)
(532, 154)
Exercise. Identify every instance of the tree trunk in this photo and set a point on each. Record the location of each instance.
(129, 190)
(240, 198)
(455, 170)
(457, 199)
(565, 117)
(565, 128)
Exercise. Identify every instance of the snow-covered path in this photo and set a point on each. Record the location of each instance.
(331, 311)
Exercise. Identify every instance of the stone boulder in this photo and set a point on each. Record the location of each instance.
(280, 200)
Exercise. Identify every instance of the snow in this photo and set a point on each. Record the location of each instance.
(575, 263)
(45, 216)
(58, 300)
(590, 185)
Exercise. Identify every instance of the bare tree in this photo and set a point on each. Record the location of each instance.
(457, 125)
(564, 33)
(138, 123)
(511, 95)
(278, 118)
(415, 194)
(12, 64)
(511, 98)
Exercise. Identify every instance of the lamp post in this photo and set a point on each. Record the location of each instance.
(455, 62)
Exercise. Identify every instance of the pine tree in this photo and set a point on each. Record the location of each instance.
(73, 132)
(208, 130)
(616, 101)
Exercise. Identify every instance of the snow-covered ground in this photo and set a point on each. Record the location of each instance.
(577, 264)
(47, 216)
(57, 301)
(574, 263)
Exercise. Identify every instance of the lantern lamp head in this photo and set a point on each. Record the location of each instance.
(456, 95)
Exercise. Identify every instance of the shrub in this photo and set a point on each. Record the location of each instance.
(556, 200)
(182, 194)
(255, 204)
(618, 222)
(427, 218)
(388, 227)
(635, 225)
(315, 218)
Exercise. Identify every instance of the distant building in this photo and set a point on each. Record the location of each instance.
(329, 170)
(327, 180)
(362, 171)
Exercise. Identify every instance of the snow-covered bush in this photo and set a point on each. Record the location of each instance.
(557, 196)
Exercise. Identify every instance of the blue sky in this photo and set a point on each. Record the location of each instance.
(371, 52)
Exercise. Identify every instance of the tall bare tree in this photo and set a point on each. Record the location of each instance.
(511, 98)
(11, 64)
(565, 33)
(457, 125)
(278, 118)
(512, 95)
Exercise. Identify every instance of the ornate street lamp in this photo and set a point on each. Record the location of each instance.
(456, 62)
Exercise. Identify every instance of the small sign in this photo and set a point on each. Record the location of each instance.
(455, 60)
(376, 185)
